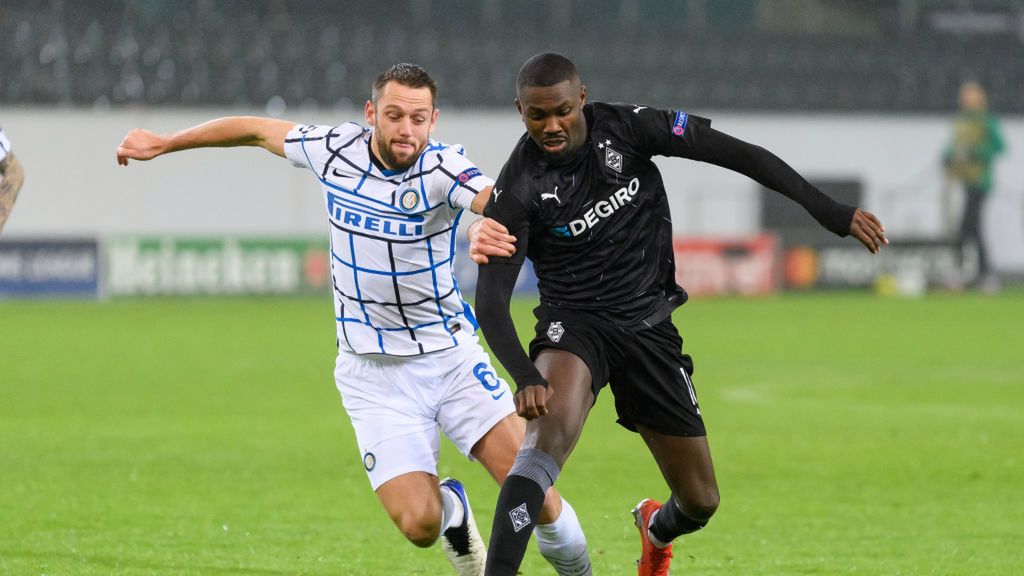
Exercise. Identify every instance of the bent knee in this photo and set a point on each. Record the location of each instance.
(419, 530)
(702, 507)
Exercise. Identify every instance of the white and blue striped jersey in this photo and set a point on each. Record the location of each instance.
(392, 239)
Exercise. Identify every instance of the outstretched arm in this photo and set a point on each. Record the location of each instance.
(267, 133)
(771, 172)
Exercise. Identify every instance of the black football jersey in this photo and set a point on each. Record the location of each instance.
(597, 225)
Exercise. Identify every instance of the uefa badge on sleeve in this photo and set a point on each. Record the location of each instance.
(555, 331)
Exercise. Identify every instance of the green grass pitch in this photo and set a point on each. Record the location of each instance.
(851, 435)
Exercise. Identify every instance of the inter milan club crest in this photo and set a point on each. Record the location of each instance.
(369, 461)
(409, 200)
(613, 159)
(555, 331)
(520, 517)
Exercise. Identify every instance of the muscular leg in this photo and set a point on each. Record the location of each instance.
(685, 463)
(570, 404)
(560, 537)
(413, 502)
(497, 451)
(549, 441)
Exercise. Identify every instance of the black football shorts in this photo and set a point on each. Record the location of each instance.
(648, 374)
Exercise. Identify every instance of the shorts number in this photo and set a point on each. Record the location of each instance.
(487, 379)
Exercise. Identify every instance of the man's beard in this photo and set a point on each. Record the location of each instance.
(390, 160)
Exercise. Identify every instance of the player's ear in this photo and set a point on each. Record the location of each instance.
(583, 95)
(433, 119)
(519, 107)
(371, 113)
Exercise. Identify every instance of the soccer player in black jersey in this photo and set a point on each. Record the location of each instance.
(582, 199)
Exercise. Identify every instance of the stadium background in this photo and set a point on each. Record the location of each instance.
(202, 435)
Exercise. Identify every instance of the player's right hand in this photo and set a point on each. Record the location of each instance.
(867, 228)
(140, 145)
(531, 401)
(487, 237)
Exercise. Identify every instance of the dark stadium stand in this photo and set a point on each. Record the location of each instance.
(746, 54)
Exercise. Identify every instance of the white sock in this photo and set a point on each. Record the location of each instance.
(650, 535)
(563, 544)
(452, 512)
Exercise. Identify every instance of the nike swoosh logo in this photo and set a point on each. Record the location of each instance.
(498, 396)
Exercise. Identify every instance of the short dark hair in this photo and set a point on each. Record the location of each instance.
(406, 74)
(545, 69)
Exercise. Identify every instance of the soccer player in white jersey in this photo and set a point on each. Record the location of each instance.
(408, 362)
(11, 178)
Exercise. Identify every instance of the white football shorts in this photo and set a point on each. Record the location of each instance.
(398, 405)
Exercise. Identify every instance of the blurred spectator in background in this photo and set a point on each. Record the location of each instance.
(11, 177)
(968, 159)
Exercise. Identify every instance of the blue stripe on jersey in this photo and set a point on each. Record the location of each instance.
(343, 189)
(356, 268)
(423, 188)
(397, 328)
(437, 291)
(357, 207)
(450, 190)
(360, 196)
(306, 154)
(359, 293)
(467, 310)
(330, 238)
(363, 179)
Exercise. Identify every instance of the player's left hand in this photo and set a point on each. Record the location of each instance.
(140, 145)
(869, 230)
(531, 401)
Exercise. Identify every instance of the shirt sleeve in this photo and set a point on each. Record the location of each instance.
(676, 133)
(497, 279)
(658, 132)
(506, 206)
(306, 146)
(458, 180)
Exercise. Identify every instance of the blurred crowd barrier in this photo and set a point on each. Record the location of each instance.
(822, 55)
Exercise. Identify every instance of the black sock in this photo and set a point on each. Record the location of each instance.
(515, 515)
(670, 522)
